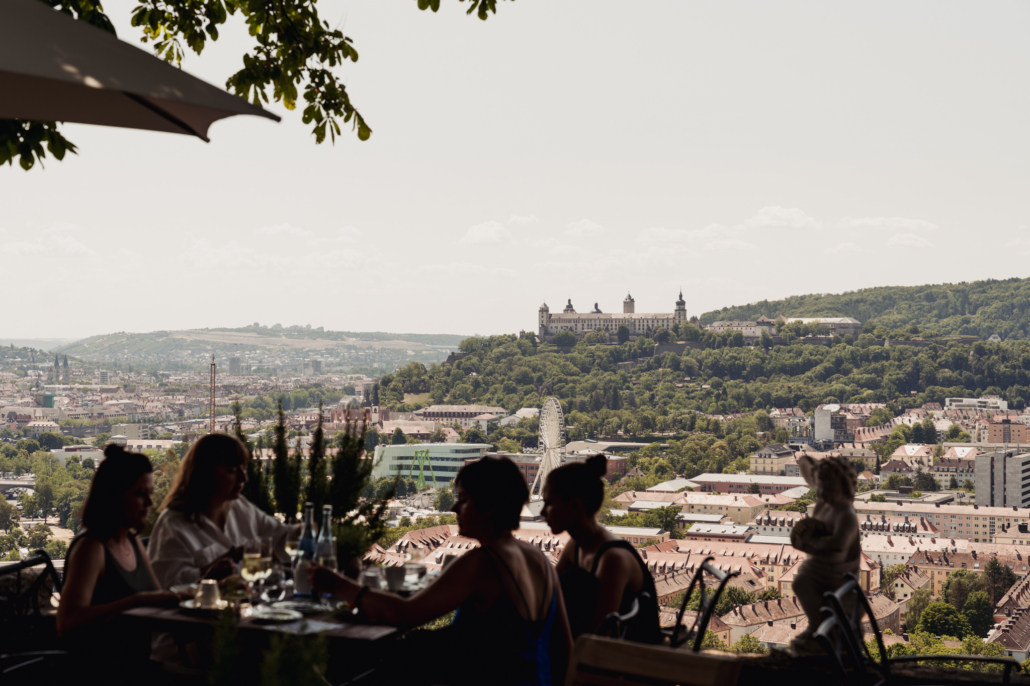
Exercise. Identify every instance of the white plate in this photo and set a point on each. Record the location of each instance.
(272, 614)
(191, 605)
(185, 588)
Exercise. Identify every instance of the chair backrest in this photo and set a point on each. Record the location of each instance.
(602, 661)
(830, 637)
(678, 636)
(615, 625)
(849, 623)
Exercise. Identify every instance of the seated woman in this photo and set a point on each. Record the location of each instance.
(510, 625)
(107, 571)
(204, 519)
(600, 573)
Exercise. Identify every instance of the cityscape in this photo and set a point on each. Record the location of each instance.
(582, 343)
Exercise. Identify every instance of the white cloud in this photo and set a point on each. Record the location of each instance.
(584, 227)
(283, 229)
(730, 244)
(842, 249)
(22, 248)
(204, 255)
(886, 223)
(908, 240)
(660, 234)
(776, 217)
(52, 241)
(518, 220)
(487, 232)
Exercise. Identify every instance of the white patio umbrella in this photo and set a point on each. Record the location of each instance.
(55, 68)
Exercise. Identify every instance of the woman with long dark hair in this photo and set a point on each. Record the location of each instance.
(600, 573)
(107, 571)
(510, 627)
(204, 519)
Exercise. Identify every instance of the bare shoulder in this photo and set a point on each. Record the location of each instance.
(617, 557)
(86, 551)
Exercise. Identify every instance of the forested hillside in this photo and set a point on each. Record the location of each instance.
(672, 393)
(979, 308)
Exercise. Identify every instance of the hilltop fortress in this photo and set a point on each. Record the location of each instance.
(638, 323)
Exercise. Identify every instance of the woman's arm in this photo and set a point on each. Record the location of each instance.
(459, 581)
(614, 573)
(83, 570)
(174, 561)
(561, 637)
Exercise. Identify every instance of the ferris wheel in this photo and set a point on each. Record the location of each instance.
(551, 441)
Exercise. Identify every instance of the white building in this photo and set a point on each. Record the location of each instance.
(987, 403)
(638, 323)
(446, 459)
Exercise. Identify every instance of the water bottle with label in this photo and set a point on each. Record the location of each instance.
(306, 553)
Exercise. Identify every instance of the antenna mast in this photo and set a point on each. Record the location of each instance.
(211, 407)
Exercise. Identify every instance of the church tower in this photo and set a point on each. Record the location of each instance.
(629, 304)
(681, 308)
(543, 320)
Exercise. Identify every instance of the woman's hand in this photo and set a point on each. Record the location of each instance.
(324, 579)
(220, 568)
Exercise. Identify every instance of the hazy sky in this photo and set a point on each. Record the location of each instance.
(574, 149)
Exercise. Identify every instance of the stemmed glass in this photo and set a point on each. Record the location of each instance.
(293, 550)
(251, 567)
(274, 585)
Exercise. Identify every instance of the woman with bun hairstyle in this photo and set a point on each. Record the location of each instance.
(107, 571)
(205, 521)
(600, 573)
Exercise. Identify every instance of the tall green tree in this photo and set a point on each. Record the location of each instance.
(999, 579)
(398, 438)
(318, 482)
(919, 601)
(284, 485)
(979, 612)
(256, 488)
(359, 522)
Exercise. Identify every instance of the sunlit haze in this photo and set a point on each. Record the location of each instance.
(575, 149)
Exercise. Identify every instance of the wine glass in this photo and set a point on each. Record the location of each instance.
(274, 585)
(292, 549)
(250, 568)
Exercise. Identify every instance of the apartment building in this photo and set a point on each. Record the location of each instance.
(977, 524)
(771, 460)
(986, 403)
(1006, 430)
(961, 469)
(939, 565)
(466, 416)
(445, 458)
(744, 483)
(1002, 479)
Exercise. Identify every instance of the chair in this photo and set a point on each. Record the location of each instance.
(705, 609)
(613, 624)
(840, 633)
(27, 631)
(603, 661)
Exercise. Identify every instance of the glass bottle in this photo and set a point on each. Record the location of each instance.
(305, 553)
(325, 548)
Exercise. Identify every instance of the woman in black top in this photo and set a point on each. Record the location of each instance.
(107, 570)
(599, 572)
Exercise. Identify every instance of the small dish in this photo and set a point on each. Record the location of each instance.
(274, 615)
(191, 606)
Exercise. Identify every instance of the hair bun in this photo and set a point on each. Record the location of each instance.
(598, 464)
(112, 449)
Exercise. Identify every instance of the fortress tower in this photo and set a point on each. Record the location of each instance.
(681, 309)
(629, 304)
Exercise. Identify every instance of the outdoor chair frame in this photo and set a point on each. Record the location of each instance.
(614, 624)
(841, 631)
(705, 609)
(16, 604)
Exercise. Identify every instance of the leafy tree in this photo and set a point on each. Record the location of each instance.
(924, 481)
(979, 612)
(399, 437)
(565, 339)
(769, 594)
(8, 516)
(474, 435)
(38, 536)
(44, 498)
(877, 498)
(942, 619)
(754, 488)
(748, 643)
(371, 439)
(953, 483)
(57, 550)
(622, 333)
(444, 500)
(102, 439)
(712, 641)
(960, 584)
(1000, 578)
(50, 441)
(359, 521)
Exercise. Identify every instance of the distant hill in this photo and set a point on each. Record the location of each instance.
(110, 346)
(979, 308)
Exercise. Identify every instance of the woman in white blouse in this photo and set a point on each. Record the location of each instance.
(205, 520)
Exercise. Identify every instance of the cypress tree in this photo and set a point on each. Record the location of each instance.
(283, 485)
(318, 484)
